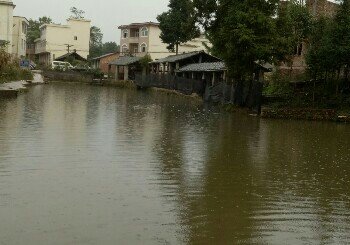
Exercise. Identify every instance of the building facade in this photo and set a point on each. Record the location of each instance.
(6, 23)
(20, 27)
(140, 39)
(58, 40)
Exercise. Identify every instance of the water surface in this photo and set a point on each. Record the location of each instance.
(93, 165)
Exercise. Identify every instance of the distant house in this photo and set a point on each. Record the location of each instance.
(103, 62)
(139, 39)
(57, 40)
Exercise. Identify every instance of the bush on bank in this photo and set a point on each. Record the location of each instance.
(10, 69)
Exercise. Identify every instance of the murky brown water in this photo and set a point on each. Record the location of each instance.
(92, 165)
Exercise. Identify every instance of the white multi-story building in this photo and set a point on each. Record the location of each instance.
(144, 38)
(19, 38)
(56, 40)
(6, 23)
(13, 30)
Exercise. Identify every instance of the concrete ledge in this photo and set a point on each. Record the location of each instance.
(300, 114)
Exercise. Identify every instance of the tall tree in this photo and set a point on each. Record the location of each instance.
(293, 27)
(34, 28)
(241, 32)
(95, 41)
(76, 13)
(178, 24)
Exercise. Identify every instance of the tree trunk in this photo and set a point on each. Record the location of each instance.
(177, 48)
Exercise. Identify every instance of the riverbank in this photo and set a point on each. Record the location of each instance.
(14, 88)
(309, 114)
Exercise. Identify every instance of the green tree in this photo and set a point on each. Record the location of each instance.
(110, 47)
(76, 13)
(34, 28)
(293, 27)
(329, 54)
(96, 37)
(178, 24)
(241, 32)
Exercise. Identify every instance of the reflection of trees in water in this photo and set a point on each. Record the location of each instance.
(261, 179)
(216, 205)
(308, 170)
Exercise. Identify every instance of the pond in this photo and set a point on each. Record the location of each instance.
(94, 165)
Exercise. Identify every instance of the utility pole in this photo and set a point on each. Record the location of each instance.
(68, 47)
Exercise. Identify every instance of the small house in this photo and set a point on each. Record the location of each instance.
(126, 67)
(102, 62)
(171, 64)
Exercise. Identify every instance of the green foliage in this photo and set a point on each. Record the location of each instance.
(34, 28)
(144, 61)
(97, 47)
(10, 70)
(242, 32)
(178, 24)
(76, 13)
(293, 26)
(329, 55)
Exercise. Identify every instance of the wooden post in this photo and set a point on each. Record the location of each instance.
(116, 73)
(213, 79)
(126, 73)
(170, 69)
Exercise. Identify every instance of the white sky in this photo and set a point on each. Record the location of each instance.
(106, 14)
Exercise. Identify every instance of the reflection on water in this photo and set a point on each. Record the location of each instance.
(91, 165)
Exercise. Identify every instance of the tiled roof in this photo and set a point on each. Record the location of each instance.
(74, 54)
(125, 60)
(174, 58)
(212, 66)
(102, 56)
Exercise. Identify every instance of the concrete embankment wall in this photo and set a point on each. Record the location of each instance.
(69, 76)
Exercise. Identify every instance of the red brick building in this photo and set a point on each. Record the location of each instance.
(102, 63)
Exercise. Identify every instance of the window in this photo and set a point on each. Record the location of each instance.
(75, 38)
(125, 33)
(143, 48)
(144, 32)
(124, 48)
(298, 50)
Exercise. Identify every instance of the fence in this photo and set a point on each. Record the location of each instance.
(181, 84)
(243, 94)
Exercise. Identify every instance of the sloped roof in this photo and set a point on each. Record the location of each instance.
(103, 56)
(74, 54)
(175, 58)
(150, 23)
(125, 60)
(212, 66)
(264, 65)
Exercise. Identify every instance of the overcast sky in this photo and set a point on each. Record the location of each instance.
(106, 14)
